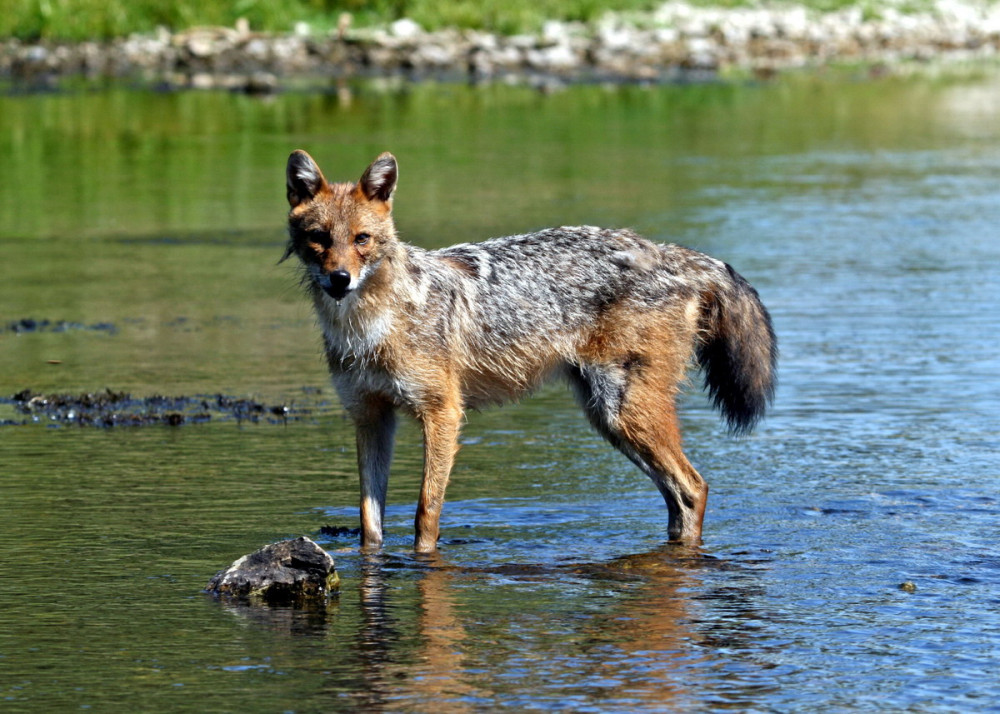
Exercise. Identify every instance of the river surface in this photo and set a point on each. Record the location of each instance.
(850, 557)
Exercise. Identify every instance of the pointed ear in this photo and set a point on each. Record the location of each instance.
(379, 180)
(303, 177)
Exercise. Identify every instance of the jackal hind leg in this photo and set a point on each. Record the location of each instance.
(441, 428)
(633, 408)
(375, 424)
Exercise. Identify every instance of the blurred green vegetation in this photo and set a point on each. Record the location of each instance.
(103, 19)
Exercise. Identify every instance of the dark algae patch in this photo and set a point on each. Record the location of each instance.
(30, 324)
(110, 408)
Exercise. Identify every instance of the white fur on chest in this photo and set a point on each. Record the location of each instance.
(355, 335)
(356, 341)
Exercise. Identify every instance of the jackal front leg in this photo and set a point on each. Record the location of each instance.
(375, 422)
(441, 429)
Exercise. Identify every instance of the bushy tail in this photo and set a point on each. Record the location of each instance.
(737, 352)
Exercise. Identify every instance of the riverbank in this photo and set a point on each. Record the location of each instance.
(676, 42)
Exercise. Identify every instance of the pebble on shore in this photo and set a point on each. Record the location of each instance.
(677, 40)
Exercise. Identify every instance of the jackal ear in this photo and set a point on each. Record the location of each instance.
(303, 177)
(379, 179)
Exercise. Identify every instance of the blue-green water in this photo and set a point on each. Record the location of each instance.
(865, 213)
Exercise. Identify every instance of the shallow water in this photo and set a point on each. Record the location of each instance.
(146, 227)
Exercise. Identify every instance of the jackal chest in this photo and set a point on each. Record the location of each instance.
(351, 333)
(356, 381)
(364, 358)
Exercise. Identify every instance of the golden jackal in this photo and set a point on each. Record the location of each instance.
(437, 332)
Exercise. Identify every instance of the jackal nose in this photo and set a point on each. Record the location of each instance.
(340, 281)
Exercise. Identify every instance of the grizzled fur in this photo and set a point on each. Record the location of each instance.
(436, 332)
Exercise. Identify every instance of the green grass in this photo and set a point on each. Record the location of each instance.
(103, 19)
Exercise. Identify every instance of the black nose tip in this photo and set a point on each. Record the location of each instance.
(340, 281)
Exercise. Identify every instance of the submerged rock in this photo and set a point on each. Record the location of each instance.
(289, 571)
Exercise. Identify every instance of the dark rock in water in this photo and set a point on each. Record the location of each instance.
(287, 572)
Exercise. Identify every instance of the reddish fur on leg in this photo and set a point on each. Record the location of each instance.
(441, 428)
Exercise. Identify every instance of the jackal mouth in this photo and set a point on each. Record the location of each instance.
(337, 292)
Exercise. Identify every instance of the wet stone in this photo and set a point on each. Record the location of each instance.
(288, 572)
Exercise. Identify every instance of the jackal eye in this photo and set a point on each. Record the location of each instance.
(362, 238)
(320, 238)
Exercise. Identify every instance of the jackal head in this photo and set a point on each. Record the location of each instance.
(340, 231)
